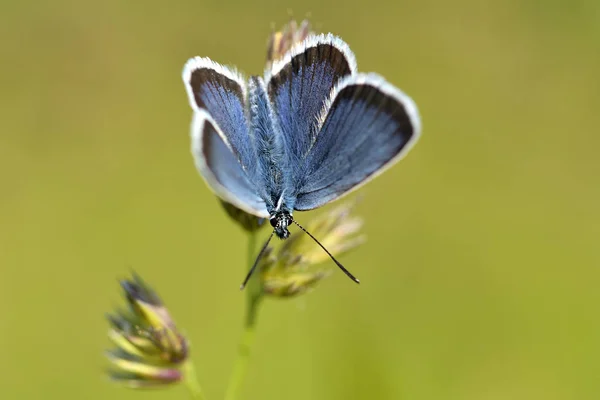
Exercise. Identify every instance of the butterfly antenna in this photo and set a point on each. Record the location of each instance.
(339, 264)
(256, 261)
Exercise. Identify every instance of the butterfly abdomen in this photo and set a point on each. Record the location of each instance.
(271, 173)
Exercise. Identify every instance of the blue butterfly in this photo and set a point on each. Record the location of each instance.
(308, 132)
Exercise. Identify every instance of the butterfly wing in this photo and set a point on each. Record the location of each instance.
(221, 92)
(218, 165)
(221, 146)
(299, 85)
(367, 126)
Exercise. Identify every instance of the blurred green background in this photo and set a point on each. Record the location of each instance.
(481, 274)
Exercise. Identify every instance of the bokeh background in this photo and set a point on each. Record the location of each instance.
(481, 274)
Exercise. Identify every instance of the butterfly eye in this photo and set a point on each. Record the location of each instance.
(273, 222)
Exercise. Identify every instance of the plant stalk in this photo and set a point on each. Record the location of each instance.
(253, 300)
(191, 381)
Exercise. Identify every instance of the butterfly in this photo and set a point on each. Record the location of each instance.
(309, 131)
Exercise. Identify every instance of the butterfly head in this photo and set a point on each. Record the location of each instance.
(280, 220)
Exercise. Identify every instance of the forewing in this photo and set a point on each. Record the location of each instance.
(218, 165)
(367, 126)
(299, 85)
(221, 92)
